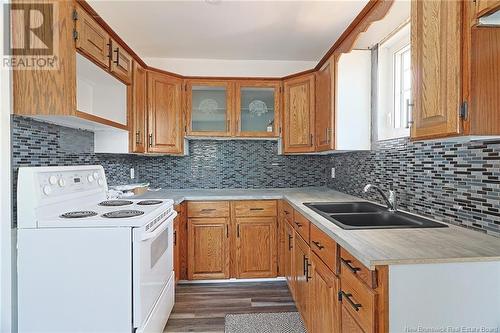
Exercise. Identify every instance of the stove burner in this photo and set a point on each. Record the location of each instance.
(149, 202)
(115, 203)
(123, 213)
(78, 214)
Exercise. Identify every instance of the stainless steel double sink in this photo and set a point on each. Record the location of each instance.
(366, 215)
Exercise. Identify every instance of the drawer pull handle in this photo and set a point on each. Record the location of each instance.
(256, 208)
(348, 296)
(287, 212)
(206, 210)
(348, 264)
(318, 245)
(298, 224)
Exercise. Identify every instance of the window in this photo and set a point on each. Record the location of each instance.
(394, 85)
(402, 87)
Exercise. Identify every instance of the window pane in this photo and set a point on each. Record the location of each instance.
(209, 109)
(257, 109)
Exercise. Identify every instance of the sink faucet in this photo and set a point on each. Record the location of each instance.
(391, 201)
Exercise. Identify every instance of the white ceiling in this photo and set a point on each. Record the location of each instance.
(231, 30)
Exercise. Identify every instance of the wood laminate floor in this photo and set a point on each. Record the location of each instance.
(202, 307)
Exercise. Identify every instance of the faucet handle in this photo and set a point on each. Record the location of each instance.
(367, 187)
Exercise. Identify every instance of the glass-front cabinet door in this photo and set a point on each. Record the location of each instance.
(257, 108)
(209, 108)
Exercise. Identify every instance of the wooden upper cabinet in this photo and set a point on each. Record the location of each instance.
(323, 295)
(256, 255)
(138, 133)
(208, 248)
(164, 114)
(257, 108)
(484, 100)
(298, 109)
(436, 67)
(209, 107)
(485, 6)
(324, 121)
(91, 39)
(121, 63)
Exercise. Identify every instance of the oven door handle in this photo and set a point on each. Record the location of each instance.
(159, 229)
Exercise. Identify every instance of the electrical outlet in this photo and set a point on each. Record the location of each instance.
(132, 173)
(333, 172)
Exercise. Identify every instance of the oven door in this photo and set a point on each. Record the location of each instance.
(152, 266)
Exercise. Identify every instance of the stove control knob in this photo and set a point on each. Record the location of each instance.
(96, 175)
(90, 178)
(61, 182)
(100, 181)
(52, 180)
(47, 189)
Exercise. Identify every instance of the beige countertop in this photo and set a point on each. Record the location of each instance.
(371, 246)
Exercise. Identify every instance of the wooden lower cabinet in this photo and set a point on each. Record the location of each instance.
(288, 257)
(177, 257)
(323, 298)
(208, 250)
(256, 249)
(348, 324)
(300, 274)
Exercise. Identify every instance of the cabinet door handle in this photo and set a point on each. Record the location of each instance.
(409, 120)
(110, 51)
(138, 137)
(238, 231)
(306, 267)
(227, 230)
(318, 245)
(304, 263)
(348, 296)
(256, 208)
(228, 125)
(311, 136)
(348, 264)
(117, 61)
(290, 242)
(151, 140)
(287, 212)
(175, 238)
(299, 225)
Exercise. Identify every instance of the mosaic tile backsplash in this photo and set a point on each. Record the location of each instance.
(450, 181)
(210, 164)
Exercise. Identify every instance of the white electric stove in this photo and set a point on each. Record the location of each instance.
(89, 264)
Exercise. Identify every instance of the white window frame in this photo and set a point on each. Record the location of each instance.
(386, 85)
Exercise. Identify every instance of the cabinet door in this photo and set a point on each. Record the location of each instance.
(257, 108)
(208, 251)
(256, 247)
(209, 108)
(323, 295)
(164, 114)
(121, 63)
(92, 40)
(348, 324)
(301, 270)
(324, 108)
(298, 108)
(436, 62)
(288, 262)
(138, 135)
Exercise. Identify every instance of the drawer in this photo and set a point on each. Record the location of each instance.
(302, 225)
(287, 211)
(350, 264)
(208, 209)
(324, 247)
(358, 300)
(249, 208)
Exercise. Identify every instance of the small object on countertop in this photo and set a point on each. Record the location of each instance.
(134, 189)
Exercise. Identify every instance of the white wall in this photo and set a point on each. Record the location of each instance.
(230, 68)
(6, 261)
